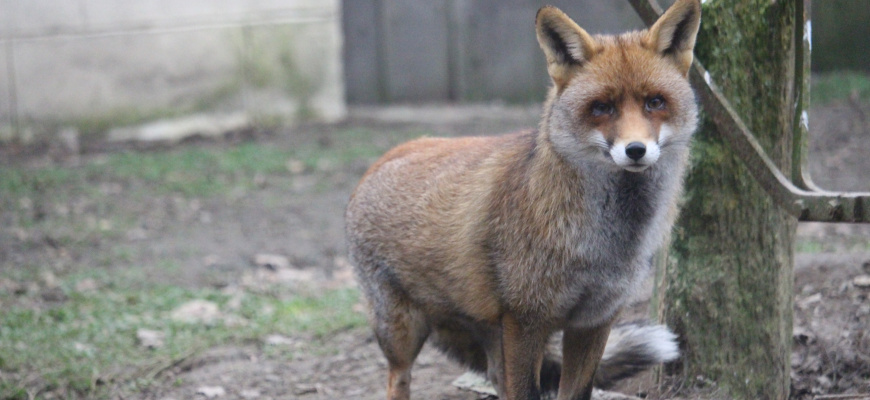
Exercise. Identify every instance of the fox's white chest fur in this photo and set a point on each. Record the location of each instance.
(626, 220)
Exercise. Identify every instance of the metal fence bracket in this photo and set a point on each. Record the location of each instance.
(797, 194)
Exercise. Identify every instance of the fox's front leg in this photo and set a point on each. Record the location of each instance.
(522, 354)
(581, 351)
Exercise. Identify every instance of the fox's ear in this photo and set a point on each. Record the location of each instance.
(566, 45)
(673, 35)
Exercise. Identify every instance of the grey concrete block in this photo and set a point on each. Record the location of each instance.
(294, 70)
(5, 96)
(44, 17)
(99, 63)
(299, 5)
(68, 78)
(8, 22)
(125, 14)
(177, 129)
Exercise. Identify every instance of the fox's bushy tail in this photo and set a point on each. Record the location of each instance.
(631, 348)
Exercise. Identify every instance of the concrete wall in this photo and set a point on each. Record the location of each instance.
(458, 50)
(96, 64)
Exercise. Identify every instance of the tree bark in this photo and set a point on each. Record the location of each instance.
(726, 283)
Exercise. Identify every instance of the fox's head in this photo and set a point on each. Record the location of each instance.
(624, 100)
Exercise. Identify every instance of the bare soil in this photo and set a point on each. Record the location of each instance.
(215, 240)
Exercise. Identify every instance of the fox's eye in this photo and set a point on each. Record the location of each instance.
(600, 109)
(656, 103)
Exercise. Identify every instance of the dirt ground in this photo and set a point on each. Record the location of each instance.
(216, 239)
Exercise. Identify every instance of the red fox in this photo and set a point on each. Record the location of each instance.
(492, 245)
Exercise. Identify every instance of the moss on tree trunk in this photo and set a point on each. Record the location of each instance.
(726, 285)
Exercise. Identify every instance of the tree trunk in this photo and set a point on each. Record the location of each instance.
(726, 284)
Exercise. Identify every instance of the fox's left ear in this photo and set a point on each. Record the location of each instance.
(673, 35)
(566, 45)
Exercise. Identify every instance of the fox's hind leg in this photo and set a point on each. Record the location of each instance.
(401, 331)
(479, 348)
(582, 349)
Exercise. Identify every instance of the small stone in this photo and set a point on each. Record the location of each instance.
(295, 275)
(824, 382)
(83, 348)
(360, 307)
(475, 383)
(598, 394)
(260, 180)
(49, 280)
(69, 139)
(105, 225)
(10, 286)
(279, 340)
(137, 234)
(231, 321)
(862, 281)
(295, 166)
(250, 394)
(235, 301)
(87, 285)
(802, 336)
(196, 311)
(271, 261)
(211, 392)
(54, 295)
(301, 390)
(25, 203)
(810, 300)
(211, 260)
(150, 339)
(325, 165)
(175, 130)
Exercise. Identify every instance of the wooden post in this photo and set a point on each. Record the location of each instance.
(726, 285)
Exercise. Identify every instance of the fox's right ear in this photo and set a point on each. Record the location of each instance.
(566, 45)
(674, 33)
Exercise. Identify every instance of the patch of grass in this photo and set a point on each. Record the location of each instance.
(355, 144)
(205, 172)
(318, 315)
(836, 86)
(17, 182)
(196, 171)
(86, 345)
(809, 246)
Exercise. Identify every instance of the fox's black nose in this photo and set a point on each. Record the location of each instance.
(635, 150)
